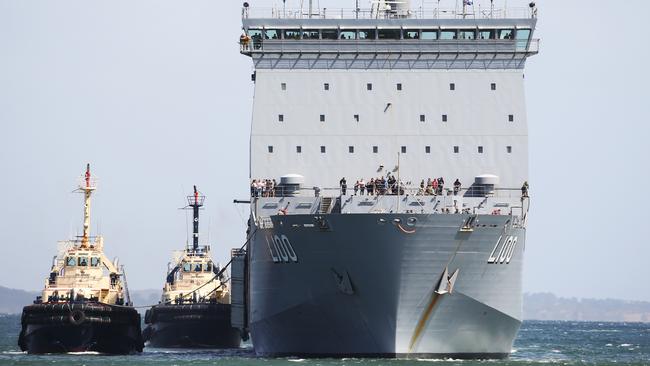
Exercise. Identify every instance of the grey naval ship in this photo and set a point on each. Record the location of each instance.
(359, 244)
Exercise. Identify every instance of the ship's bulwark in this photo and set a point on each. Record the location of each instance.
(362, 284)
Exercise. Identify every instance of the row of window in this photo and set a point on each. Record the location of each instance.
(375, 149)
(423, 118)
(258, 35)
(398, 86)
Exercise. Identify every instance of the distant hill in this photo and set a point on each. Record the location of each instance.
(538, 306)
(12, 301)
(546, 306)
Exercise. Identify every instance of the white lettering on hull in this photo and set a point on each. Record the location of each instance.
(281, 249)
(504, 250)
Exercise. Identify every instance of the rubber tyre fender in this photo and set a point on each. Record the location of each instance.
(77, 317)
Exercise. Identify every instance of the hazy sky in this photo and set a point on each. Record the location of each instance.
(155, 94)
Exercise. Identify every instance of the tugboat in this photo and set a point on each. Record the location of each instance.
(85, 305)
(194, 311)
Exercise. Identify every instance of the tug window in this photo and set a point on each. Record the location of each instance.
(429, 34)
(198, 267)
(71, 261)
(83, 261)
(208, 267)
(329, 34)
(271, 34)
(389, 34)
(348, 34)
(367, 34)
(94, 262)
(448, 34)
(187, 267)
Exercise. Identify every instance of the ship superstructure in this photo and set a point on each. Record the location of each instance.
(398, 141)
(194, 310)
(85, 304)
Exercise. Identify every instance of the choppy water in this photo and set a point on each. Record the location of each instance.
(557, 343)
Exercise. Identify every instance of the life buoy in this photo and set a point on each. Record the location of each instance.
(77, 317)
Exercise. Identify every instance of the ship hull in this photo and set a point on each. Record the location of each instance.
(63, 328)
(191, 326)
(365, 285)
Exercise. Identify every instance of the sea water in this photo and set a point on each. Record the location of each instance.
(539, 342)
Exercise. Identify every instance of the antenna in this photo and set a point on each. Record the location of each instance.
(87, 186)
(195, 201)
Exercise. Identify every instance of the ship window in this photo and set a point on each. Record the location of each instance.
(292, 34)
(270, 149)
(427, 149)
(322, 118)
(369, 86)
(422, 118)
(326, 86)
(456, 149)
(444, 118)
(375, 149)
(83, 261)
(271, 34)
(466, 34)
(505, 34)
(280, 117)
(254, 33)
(347, 34)
(448, 34)
(299, 149)
(329, 34)
(509, 149)
(71, 261)
(511, 118)
(303, 205)
(322, 149)
(411, 34)
(356, 117)
(367, 34)
(351, 149)
(487, 34)
(403, 149)
(187, 267)
(399, 86)
(207, 267)
(429, 34)
(198, 267)
(523, 34)
(283, 86)
(310, 34)
(389, 34)
(452, 86)
(94, 261)
(480, 149)
(493, 86)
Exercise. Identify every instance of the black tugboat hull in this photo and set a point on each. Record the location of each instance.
(191, 326)
(63, 328)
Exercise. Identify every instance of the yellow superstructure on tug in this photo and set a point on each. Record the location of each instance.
(85, 304)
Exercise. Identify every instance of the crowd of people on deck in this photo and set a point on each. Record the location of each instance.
(389, 186)
(263, 187)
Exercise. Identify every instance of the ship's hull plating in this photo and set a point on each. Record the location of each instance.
(63, 328)
(191, 326)
(363, 284)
